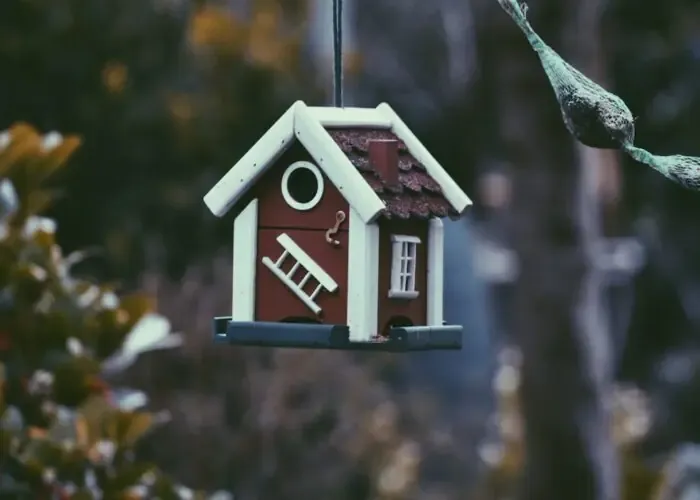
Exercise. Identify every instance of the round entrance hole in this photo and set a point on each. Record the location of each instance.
(302, 185)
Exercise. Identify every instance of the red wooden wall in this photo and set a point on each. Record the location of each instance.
(274, 301)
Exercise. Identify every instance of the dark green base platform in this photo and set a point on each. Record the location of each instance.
(318, 336)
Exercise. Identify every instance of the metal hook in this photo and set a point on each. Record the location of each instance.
(339, 219)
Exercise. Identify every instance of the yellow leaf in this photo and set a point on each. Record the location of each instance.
(139, 424)
(25, 144)
(217, 28)
(181, 108)
(44, 239)
(126, 428)
(136, 305)
(115, 76)
(82, 432)
(265, 45)
(58, 156)
(91, 420)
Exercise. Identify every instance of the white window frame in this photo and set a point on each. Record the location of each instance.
(404, 257)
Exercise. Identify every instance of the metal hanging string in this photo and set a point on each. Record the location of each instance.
(338, 53)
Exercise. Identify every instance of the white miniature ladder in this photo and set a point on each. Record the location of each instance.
(305, 262)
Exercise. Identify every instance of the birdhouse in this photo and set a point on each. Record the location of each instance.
(338, 237)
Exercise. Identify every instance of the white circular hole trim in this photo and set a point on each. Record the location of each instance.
(319, 183)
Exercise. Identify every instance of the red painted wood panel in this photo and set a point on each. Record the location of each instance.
(274, 301)
(274, 211)
(415, 310)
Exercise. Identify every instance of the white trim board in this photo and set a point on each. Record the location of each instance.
(372, 278)
(405, 238)
(436, 271)
(232, 186)
(350, 117)
(245, 248)
(363, 266)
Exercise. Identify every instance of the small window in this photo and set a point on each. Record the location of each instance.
(302, 185)
(403, 267)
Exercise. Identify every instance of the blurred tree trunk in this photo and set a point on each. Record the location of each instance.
(559, 321)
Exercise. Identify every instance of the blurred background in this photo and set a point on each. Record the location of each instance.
(576, 274)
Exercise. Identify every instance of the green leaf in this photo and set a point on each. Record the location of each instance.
(74, 380)
(108, 328)
(29, 282)
(42, 452)
(127, 475)
(82, 494)
(73, 465)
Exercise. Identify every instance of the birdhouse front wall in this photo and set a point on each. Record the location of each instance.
(301, 274)
(403, 259)
(275, 212)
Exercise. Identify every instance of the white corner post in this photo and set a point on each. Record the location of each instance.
(245, 250)
(363, 273)
(436, 270)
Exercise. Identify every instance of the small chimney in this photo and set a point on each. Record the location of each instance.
(384, 157)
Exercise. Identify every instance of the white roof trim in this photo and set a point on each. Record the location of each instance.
(350, 117)
(252, 165)
(307, 124)
(299, 121)
(452, 192)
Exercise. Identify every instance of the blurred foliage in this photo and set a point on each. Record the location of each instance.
(504, 455)
(166, 95)
(286, 424)
(65, 432)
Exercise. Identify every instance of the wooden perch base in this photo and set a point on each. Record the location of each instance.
(318, 336)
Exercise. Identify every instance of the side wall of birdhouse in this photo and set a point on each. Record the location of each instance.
(401, 311)
(306, 229)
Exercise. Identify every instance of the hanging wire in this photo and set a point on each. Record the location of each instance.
(338, 53)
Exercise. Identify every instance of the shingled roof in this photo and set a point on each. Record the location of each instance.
(416, 196)
(340, 141)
